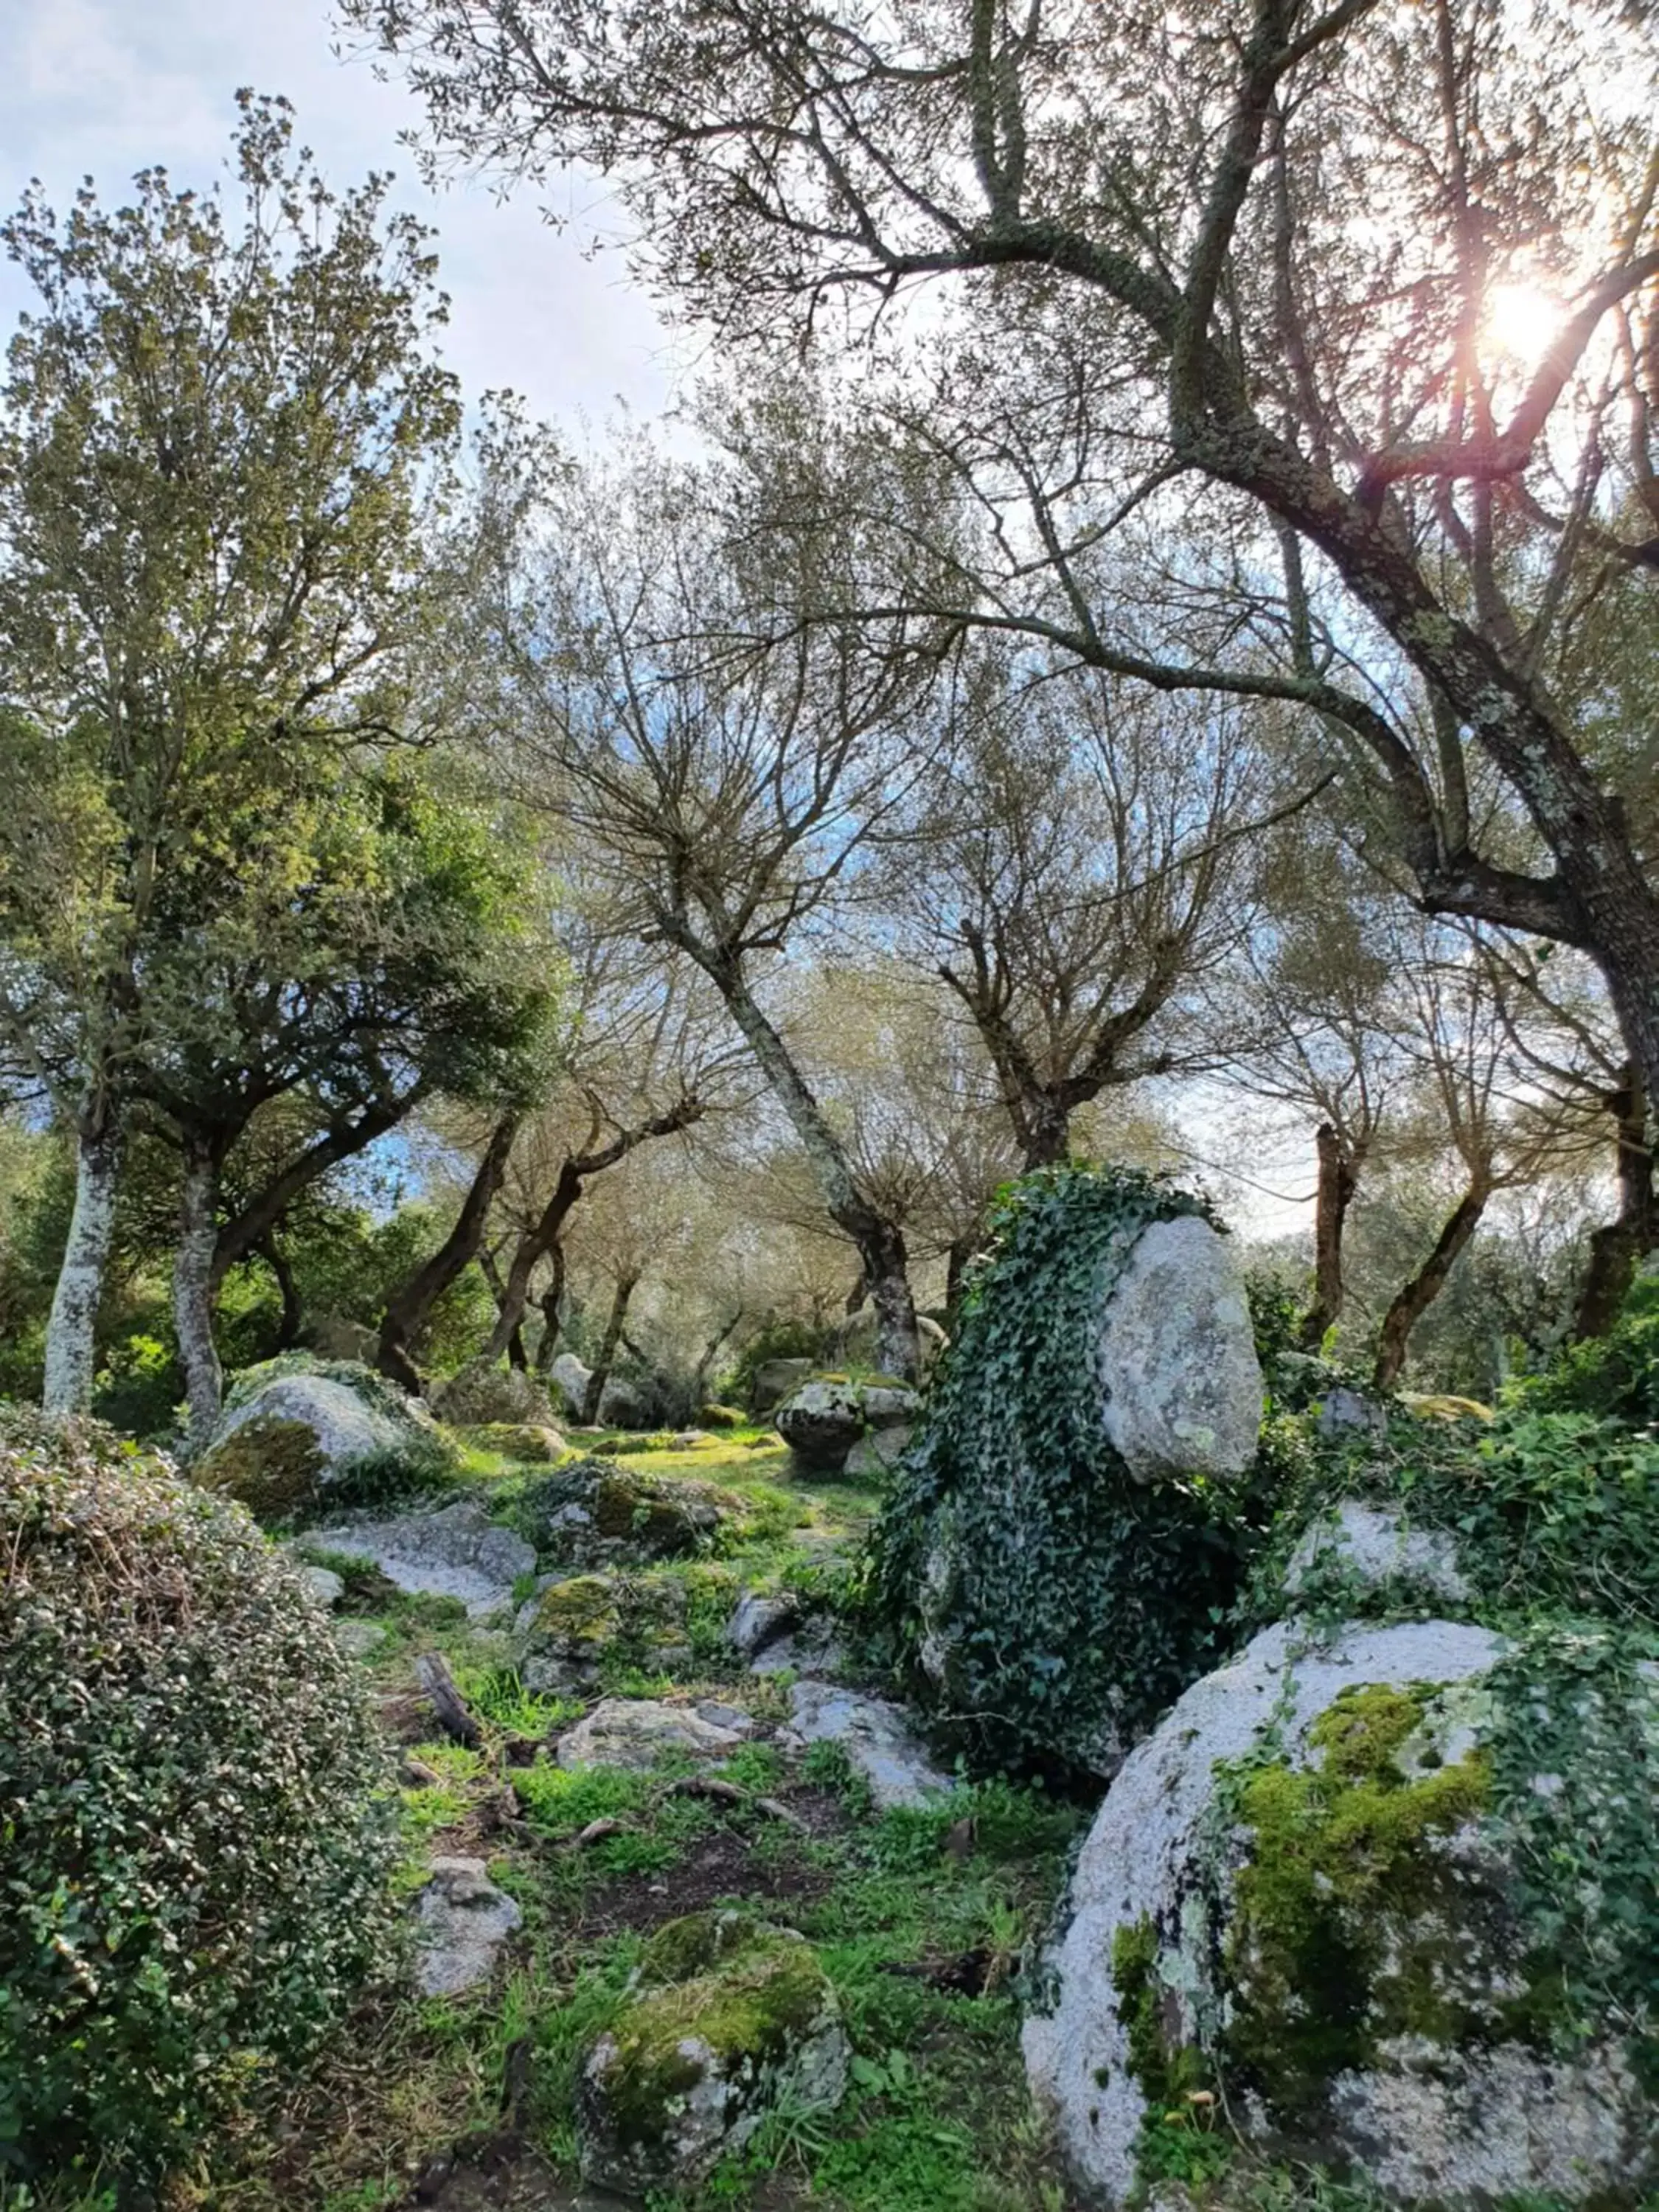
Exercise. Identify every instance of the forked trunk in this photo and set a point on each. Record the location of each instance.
(409, 1309)
(192, 1292)
(71, 1332)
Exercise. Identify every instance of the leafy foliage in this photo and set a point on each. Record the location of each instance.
(193, 1800)
(1616, 1375)
(1083, 1600)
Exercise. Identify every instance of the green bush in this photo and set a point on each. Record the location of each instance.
(195, 1820)
(1616, 1375)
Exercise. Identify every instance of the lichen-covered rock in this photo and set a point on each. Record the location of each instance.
(824, 1420)
(1364, 1548)
(880, 1744)
(713, 1416)
(727, 2017)
(624, 1403)
(758, 1620)
(878, 1452)
(1178, 1368)
(526, 1442)
(291, 1433)
(565, 1631)
(461, 1919)
(570, 1377)
(774, 1380)
(1378, 1897)
(481, 1393)
(594, 1513)
(636, 1732)
(454, 1551)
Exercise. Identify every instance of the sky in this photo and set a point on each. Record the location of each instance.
(103, 88)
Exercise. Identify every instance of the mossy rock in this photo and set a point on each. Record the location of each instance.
(727, 2017)
(567, 1631)
(721, 1417)
(297, 1436)
(595, 1512)
(1389, 1902)
(274, 1467)
(525, 1443)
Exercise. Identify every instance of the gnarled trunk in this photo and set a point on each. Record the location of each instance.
(71, 1332)
(1339, 1178)
(409, 1309)
(192, 1291)
(1416, 1297)
(551, 1300)
(1617, 1248)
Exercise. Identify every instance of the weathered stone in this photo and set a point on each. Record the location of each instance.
(719, 1715)
(1355, 1988)
(877, 1452)
(1344, 1413)
(727, 2018)
(876, 1737)
(482, 1394)
(565, 1630)
(322, 1583)
(721, 1417)
(636, 1732)
(528, 1442)
(1177, 1357)
(463, 1921)
(593, 1512)
(1371, 1545)
(571, 1377)
(757, 1620)
(359, 1639)
(287, 1438)
(454, 1551)
(824, 1420)
(624, 1405)
(774, 1381)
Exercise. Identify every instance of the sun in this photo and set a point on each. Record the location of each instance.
(1519, 322)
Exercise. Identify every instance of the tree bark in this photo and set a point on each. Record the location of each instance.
(1415, 1298)
(71, 1332)
(1045, 1134)
(246, 1231)
(409, 1309)
(192, 1291)
(613, 1329)
(1339, 1178)
(551, 1300)
(293, 1321)
(879, 1243)
(1617, 1246)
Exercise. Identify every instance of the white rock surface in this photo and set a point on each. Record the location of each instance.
(757, 1621)
(879, 1452)
(876, 1737)
(1459, 2127)
(1375, 1546)
(455, 1552)
(321, 1584)
(464, 1920)
(573, 1378)
(635, 1732)
(1177, 1357)
(346, 1426)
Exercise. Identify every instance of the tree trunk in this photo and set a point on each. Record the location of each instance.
(1339, 1177)
(961, 1251)
(409, 1309)
(549, 1301)
(192, 1291)
(71, 1332)
(1417, 1296)
(710, 1353)
(246, 1232)
(613, 1329)
(1046, 1134)
(1617, 1248)
(880, 1243)
(293, 1321)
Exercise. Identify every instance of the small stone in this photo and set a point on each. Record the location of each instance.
(323, 1584)
(727, 1717)
(635, 1732)
(359, 1638)
(463, 1919)
(1348, 1412)
(757, 1621)
(1374, 1546)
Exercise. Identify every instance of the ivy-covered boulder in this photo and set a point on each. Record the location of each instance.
(1064, 1534)
(825, 1420)
(594, 1513)
(296, 1433)
(197, 1818)
(1388, 1901)
(727, 2018)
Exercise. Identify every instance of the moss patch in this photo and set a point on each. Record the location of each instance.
(1352, 1922)
(273, 1466)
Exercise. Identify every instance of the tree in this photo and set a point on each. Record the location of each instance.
(1080, 864)
(218, 437)
(1234, 263)
(722, 762)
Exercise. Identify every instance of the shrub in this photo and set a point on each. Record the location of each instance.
(1616, 1375)
(196, 1818)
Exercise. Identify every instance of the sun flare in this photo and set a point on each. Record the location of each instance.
(1520, 320)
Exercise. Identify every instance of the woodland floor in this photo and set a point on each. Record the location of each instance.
(919, 1917)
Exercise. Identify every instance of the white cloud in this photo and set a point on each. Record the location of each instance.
(103, 88)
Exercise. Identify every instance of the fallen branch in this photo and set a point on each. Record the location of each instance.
(454, 1717)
